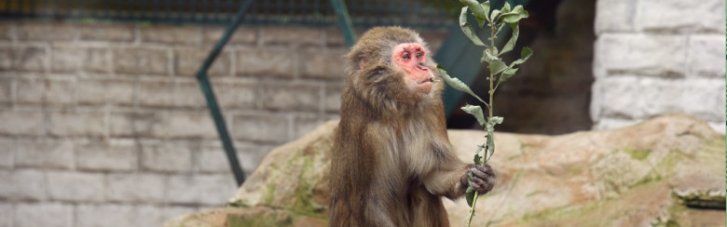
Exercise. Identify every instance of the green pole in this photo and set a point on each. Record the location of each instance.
(206, 86)
(344, 22)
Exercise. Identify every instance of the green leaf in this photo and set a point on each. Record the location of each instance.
(506, 8)
(469, 195)
(507, 74)
(488, 56)
(490, 148)
(477, 10)
(500, 28)
(480, 21)
(495, 120)
(475, 111)
(513, 39)
(497, 66)
(513, 17)
(478, 154)
(524, 55)
(486, 7)
(490, 128)
(494, 14)
(467, 28)
(457, 84)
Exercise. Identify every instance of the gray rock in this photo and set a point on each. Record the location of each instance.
(651, 173)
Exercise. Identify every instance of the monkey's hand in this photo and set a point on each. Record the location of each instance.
(482, 180)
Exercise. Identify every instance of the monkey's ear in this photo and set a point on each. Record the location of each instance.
(352, 59)
(356, 59)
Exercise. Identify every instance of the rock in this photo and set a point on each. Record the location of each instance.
(665, 171)
(254, 216)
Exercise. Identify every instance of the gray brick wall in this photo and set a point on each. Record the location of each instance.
(104, 124)
(658, 56)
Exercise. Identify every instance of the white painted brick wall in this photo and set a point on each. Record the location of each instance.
(615, 16)
(634, 97)
(7, 213)
(117, 215)
(43, 214)
(200, 189)
(166, 157)
(675, 16)
(135, 187)
(22, 123)
(654, 57)
(704, 57)
(75, 186)
(7, 154)
(44, 153)
(114, 155)
(23, 185)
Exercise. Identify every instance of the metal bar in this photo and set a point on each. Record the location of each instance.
(344, 22)
(209, 94)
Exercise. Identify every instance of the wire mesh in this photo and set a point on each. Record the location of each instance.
(364, 13)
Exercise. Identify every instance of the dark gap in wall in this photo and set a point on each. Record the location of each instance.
(552, 92)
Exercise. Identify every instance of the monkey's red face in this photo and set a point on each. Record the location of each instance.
(411, 58)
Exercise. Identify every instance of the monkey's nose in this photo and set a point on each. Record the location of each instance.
(422, 66)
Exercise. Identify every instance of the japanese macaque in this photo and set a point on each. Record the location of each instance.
(391, 160)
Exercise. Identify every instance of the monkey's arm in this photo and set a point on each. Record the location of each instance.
(447, 180)
(449, 176)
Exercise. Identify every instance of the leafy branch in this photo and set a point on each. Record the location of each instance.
(499, 71)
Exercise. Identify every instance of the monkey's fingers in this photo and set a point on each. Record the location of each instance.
(480, 172)
(478, 183)
(483, 186)
(484, 178)
(487, 169)
(489, 183)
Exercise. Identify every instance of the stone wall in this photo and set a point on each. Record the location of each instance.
(657, 56)
(105, 125)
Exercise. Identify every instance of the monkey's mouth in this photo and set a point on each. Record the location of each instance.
(430, 80)
(425, 86)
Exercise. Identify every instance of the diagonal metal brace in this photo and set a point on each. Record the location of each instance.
(206, 86)
(344, 22)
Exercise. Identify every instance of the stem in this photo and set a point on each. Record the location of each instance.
(490, 107)
(493, 35)
(472, 209)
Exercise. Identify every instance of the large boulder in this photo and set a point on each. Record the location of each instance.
(665, 171)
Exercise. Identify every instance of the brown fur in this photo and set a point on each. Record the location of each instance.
(392, 160)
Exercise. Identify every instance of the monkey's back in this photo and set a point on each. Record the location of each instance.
(350, 156)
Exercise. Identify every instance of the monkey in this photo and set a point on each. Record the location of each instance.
(391, 161)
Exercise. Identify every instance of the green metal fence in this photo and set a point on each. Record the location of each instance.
(364, 13)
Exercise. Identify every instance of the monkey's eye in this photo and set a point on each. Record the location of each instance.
(406, 55)
(419, 54)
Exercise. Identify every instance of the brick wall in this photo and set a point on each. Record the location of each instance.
(657, 56)
(105, 125)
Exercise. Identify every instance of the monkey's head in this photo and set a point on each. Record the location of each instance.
(393, 63)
